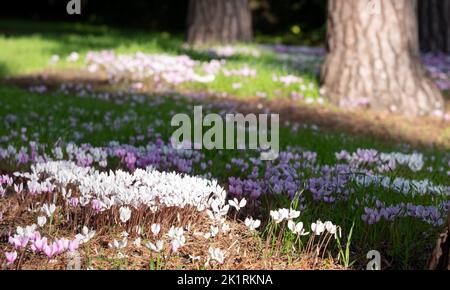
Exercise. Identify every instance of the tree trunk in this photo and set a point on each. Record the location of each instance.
(219, 21)
(373, 58)
(434, 24)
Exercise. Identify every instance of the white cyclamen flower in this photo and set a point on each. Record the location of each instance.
(177, 243)
(49, 210)
(175, 232)
(252, 224)
(214, 231)
(297, 228)
(178, 239)
(330, 227)
(238, 204)
(279, 215)
(54, 59)
(156, 247)
(28, 231)
(293, 214)
(318, 228)
(42, 220)
(85, 235)
(118, 245)
(217, 254)
(156, 228)
(225, 228)
(125, 214)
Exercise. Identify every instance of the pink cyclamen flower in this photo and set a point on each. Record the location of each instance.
(65, 242)
(49, 250)
(74, 202)
(58, 247)
(96, 205)
(39, 244)
(61, 245)
(11, 257)
(73, 245)
(24, 242)
(36, 235)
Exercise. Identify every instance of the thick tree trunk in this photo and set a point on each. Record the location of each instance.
(219, 21)
(434, 24)
(373, 57)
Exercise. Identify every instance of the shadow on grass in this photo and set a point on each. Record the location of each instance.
(4, 71)
(423, 133)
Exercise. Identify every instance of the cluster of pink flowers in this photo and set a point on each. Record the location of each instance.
(156, 67)
(29, 237)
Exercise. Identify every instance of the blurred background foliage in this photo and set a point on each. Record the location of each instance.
(274, 21)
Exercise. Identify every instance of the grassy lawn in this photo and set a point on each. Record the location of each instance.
(29, 47)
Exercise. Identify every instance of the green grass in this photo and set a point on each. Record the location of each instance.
(53, 124)
(27, 47)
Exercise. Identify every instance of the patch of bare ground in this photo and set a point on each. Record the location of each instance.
(418, 131)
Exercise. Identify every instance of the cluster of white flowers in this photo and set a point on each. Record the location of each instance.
(148, 187)
(155, 247)
(284, 214)
(118, 245)
(143, 187)
(85, 236)
(252, 224)
(414, 161)
(319, 227)
(402, 185)
(49, 209)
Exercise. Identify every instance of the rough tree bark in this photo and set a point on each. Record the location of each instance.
(219, 21)
(434, 24)
(373, 57)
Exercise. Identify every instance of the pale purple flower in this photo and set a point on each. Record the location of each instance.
(11, 257)
(73, 245)
(74, 202)
(96, 205)
(39, 244)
